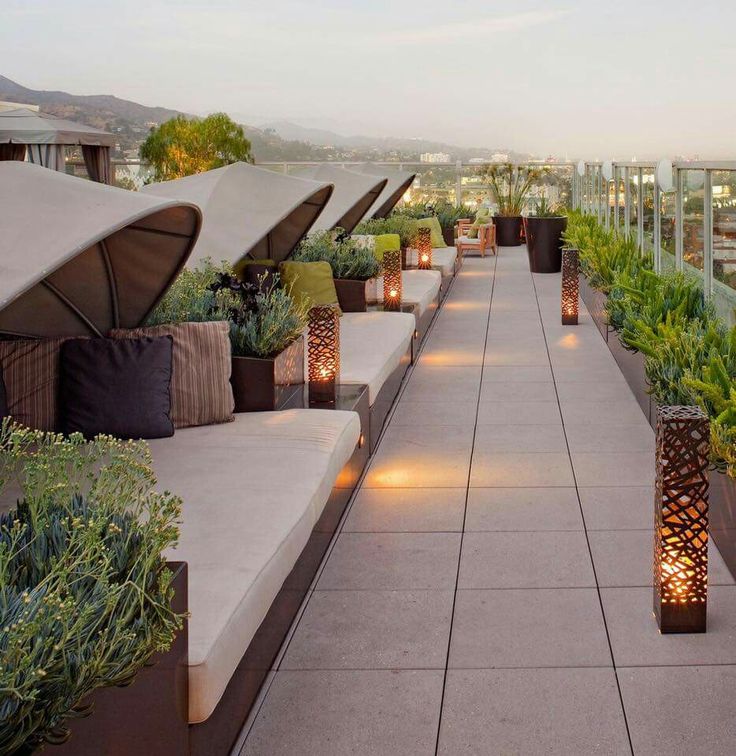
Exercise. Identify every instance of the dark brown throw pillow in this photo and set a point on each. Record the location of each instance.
(118, 387)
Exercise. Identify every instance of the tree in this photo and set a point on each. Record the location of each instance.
(183, 146)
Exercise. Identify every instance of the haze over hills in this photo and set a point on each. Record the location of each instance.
(277, 140)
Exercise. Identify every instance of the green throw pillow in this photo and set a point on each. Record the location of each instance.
(433, 224)
(385, 243)
(309, 280)
(482, 217)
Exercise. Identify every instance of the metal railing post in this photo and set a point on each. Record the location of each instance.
(459, 182)
(678, 220)
(708, 233)
(616, 198)
(627, 201)
(640, 210)
(657, 227)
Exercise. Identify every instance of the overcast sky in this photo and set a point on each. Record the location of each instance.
(582, 78)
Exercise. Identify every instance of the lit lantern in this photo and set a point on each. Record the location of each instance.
(570, 272)
(681, 520)
(323, 354)
(392, 279)
(424, 249)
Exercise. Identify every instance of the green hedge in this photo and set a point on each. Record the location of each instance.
(690, 353)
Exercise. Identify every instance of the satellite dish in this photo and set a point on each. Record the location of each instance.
(664, 175)
(607, 170)
(581, 168)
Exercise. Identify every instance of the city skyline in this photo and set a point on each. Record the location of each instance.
(568, 79)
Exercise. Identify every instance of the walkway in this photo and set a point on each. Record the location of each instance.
(489, 592)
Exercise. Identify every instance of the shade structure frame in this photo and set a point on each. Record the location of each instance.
(398, 183)
(29, 127)
(249, 213)
(78, 258)
(354, 194)
(680, 565)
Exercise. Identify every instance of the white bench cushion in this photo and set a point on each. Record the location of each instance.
(418, 287)
(372, 345)
(443, 259)
(468, 240)
(245, 522)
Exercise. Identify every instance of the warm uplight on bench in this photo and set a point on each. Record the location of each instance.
(323, 354)
(392, 280)
(424, 249)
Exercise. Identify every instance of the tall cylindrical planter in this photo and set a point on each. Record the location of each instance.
(544, 243)
(508, 230)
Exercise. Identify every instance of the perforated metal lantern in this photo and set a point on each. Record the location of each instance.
(570, 275)
(323, 354)
(392, 279)
(424, 249)
(681, 520)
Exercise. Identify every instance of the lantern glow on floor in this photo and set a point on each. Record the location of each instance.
(392, 279)
(323, 354)
(681, 520)
(424, 249)
(570, 272)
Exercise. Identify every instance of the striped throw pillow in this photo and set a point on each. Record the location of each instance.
(201, 393)
(30, 372)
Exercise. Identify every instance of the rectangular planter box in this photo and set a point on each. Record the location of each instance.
(631, 364)
(723, 516)
(261, 384)
(595, 301)
(150, 716)
(352, 294)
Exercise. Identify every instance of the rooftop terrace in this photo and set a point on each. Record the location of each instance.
(490, 587)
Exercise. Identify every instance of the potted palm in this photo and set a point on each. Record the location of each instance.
(354, 268)
(509, 185)
(543, 230)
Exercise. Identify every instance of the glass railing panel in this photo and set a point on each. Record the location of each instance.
(692, 221)
(724, 243)
(667, 230)
(647, 190)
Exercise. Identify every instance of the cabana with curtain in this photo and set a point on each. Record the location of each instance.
(354, 194)
(397, 183)
(42, 138)
(78, 258)
(248, 212)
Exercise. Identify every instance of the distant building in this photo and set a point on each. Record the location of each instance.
(500, 157)
(478, 161)
(15, 105)
(434, 157)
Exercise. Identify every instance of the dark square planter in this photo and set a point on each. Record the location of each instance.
(151, 715)
(595, 302)
(268, 383)
(723, 516)
(631, 364)
(448, 234)
(351, 295)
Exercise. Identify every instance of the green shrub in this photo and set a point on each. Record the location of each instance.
(345, 257)
(690, 354)
(447, 213)
(264, 319)
(85, 598)
(402, 225)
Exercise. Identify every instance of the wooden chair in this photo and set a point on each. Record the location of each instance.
(486, 240)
